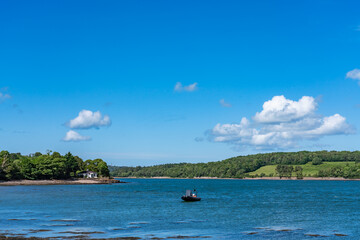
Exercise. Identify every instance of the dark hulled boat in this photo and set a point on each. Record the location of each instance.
(190, 197)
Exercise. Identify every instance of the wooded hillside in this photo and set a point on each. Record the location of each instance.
(241, 166)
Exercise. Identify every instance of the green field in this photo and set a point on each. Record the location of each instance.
(309, 170)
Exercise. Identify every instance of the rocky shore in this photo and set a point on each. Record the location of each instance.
(60, 182)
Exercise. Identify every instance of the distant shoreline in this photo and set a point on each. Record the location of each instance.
(257, 178)
(59, 182)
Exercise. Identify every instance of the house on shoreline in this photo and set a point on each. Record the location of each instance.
(88, 174)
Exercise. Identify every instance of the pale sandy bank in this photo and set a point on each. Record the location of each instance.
(58, 182)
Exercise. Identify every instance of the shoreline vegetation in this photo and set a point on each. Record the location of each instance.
(50, 166)
(53, 168)
(283, 165)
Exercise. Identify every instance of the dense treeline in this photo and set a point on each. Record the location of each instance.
(348, 171)
(238, 167)
(14, 166)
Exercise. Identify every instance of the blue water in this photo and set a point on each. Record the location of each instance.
(147, 208)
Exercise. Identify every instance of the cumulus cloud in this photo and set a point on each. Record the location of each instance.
(88, 119)
(281, 124)
(189, 88)
(4, 96)
(335, 124)
(224, 104)
(72, 136)
(354, 74)
(280, 109)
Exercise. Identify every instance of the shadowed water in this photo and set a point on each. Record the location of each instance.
(147, 208)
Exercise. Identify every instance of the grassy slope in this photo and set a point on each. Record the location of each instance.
(308, 169)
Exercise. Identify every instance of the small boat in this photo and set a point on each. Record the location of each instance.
(190, 196)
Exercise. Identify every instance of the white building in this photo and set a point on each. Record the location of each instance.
(88, 174)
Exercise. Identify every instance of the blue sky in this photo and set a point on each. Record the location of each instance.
(123, 59)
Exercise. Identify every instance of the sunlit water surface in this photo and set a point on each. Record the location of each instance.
(148, 208)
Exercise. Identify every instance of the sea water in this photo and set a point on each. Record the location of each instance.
(152, 208)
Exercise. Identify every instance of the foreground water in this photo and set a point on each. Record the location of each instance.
(149, 208)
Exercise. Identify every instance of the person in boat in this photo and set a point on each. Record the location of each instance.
(190, 196)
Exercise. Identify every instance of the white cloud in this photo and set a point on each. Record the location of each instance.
(88, 119)
(178, 86)
(282, 124)
(280, 109)
(335, 124)
(4, 96)
(354, 74)
(72, 136)
(189, 88)
(224, 104)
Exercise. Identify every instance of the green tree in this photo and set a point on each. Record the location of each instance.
(299, 172)
(4, 163)
(316, 161)
(280, 170)
(26, 168)
(37, 154)
(103, 169)
(72, 165)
